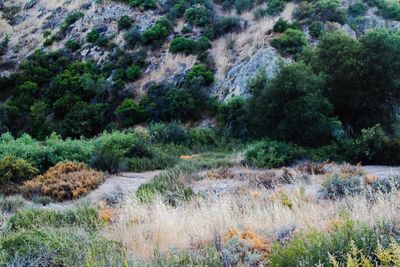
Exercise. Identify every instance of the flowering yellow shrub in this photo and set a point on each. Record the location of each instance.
(64, 181)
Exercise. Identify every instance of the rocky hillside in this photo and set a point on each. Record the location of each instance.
(237, 56)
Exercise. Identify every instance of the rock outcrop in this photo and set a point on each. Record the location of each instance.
(237, 78)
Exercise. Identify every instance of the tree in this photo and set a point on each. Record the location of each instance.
(290, 42)
(291, 107)
(362, 80)
(129, 113)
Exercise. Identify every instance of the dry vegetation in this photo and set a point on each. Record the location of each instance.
(252, 213)
(64, 181)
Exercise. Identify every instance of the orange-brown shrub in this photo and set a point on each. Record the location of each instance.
(261, 245)
(65, 181)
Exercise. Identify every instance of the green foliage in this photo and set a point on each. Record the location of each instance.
(358, 9)
(71, 19)
(312, 248)
(72, 44)
(316, 29)
(199, 15)
(321, 10)
(362, 88)
(133, 73)
(157, 34)
(188, 46)
(272, 154)
(387, 8)
(242, 5)
(200, 71)
(93, 36)
(290, 42)
(232, 115)
(274, 7)
(291, 107)
(129, 113)
(124, 22)
(15, 170)
(142, 4)
(281, 25)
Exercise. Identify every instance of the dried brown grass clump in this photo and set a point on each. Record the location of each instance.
(65, 181)
(313, 168)
(258, 243)
(351, 171)
(223, 173)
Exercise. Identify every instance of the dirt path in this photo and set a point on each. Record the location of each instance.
(382, 171)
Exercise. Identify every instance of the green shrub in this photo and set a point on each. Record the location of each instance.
(290, 42)
(232, 115)
(93, 36)
(358, 9)
(133, 73)
(157, 34)
(168, 133)
(124, 22)
(243, 5)
(198, 15)
(71, 19)
(182, 45)
(272, 154)
(200, 71)
(281, 25)
(275, 7)
(72, 44)
(129, 113)
(224, 25)
(143, 4)
(15, 170)
(316, 29)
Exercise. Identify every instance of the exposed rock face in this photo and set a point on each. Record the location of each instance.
(371, 20)
(237, 78)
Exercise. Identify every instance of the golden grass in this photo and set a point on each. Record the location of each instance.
(142, 227)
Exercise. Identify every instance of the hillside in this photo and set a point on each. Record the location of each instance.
(199, 133)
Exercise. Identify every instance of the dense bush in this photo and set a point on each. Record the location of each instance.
(274, 7)
(291, 107)
(15, 170)
(64, 181)
(273, 154)
(358, 9)
(199, 15)
(188, 46)
(72, 44)
(322, 10)
(290, 42)
(316, 29)
(124, 22)
(129, 113)
(71, 19)
(132, 37)
(232, 115)
(133, 73)
(158, 33)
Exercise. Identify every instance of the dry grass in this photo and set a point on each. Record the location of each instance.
(141, 227)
